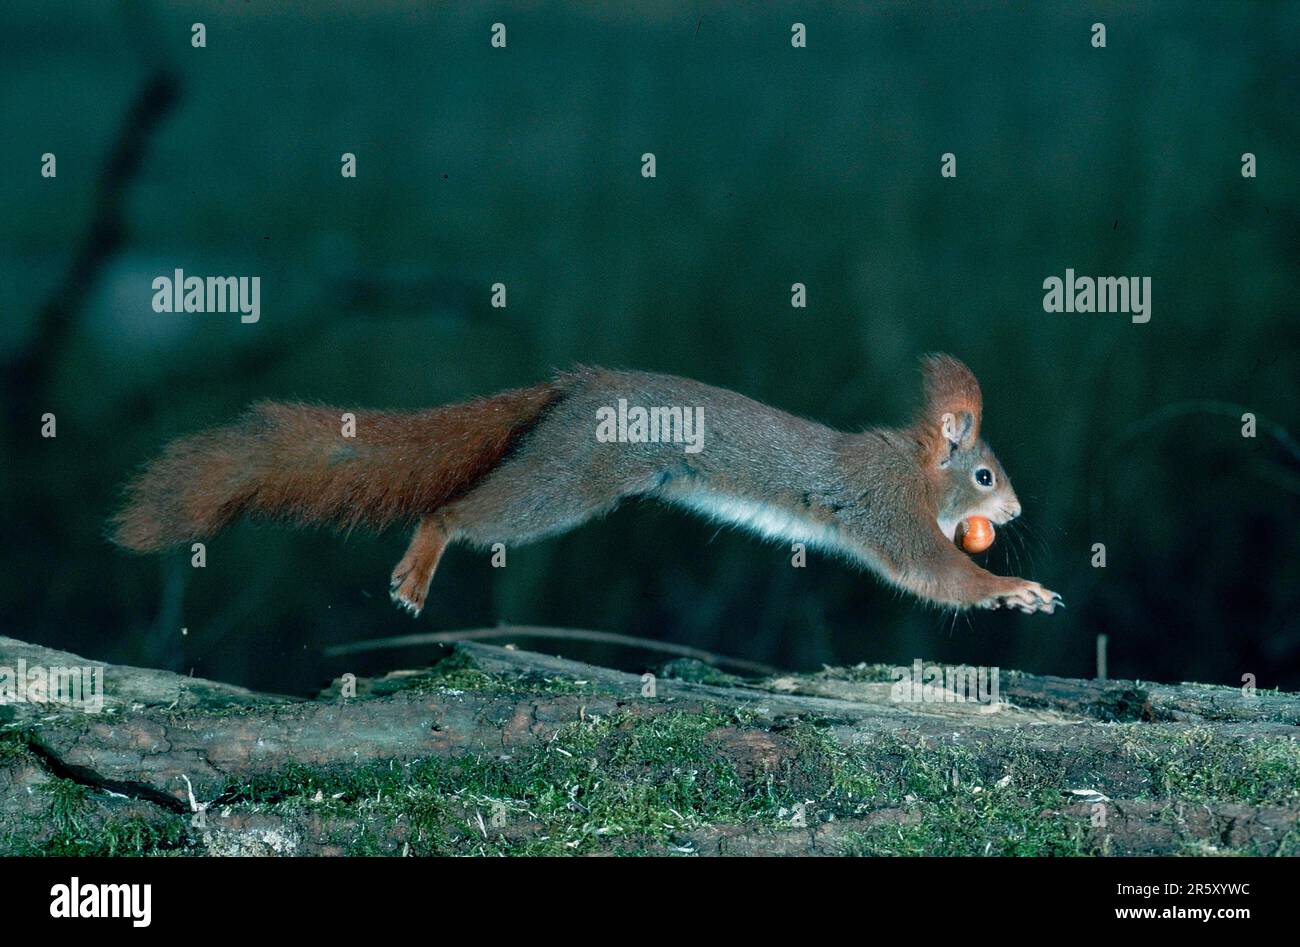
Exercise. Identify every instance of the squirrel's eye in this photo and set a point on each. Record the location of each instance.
(984, 477)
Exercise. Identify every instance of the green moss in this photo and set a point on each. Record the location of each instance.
(1289, 844)
(992, 823)
(640, 782)
(1200, 765)
(973, 799)
(841, 780)
(936, 799)
(120, 837)
(621, 782)
(459, 672)
(14, 747)
(135, 836)
(77, 832)
(697, 672)
(132, 836)
(69, 802)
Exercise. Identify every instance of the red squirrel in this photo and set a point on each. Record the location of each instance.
(528, 463)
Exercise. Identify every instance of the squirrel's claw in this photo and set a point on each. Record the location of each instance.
(405, 594)
(410, 607)
(1027, 597)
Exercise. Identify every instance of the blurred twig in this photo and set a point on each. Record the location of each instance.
(1207, 406)
(529, 631)
(1180, 409)
(103, 236)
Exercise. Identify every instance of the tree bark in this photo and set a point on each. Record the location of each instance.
(827, 763)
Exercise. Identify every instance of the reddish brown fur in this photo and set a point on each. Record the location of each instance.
(292, 461)
(947, 386)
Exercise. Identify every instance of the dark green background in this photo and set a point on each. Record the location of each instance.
(775, 165)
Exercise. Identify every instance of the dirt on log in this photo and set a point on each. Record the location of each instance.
(500, 751)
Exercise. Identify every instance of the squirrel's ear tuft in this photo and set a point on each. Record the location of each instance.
(952, 404)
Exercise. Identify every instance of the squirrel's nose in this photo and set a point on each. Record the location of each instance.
(1013, 509)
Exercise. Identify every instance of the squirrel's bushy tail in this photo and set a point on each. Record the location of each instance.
(292, 461)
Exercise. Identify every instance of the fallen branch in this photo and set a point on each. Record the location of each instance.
(497, 750)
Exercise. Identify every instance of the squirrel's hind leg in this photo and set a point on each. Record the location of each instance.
(409, 586)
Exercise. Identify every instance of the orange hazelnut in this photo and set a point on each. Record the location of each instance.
(975, 534)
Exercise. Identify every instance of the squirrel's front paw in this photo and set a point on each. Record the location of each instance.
(1027, 596)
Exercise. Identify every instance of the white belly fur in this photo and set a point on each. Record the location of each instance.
(770, 522)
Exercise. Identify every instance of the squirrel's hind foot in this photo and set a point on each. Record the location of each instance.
(407, 597)
(409, 585)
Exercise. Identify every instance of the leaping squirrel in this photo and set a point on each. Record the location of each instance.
(527, 464)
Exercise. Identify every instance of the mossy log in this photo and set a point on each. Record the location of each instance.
(495, 750)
